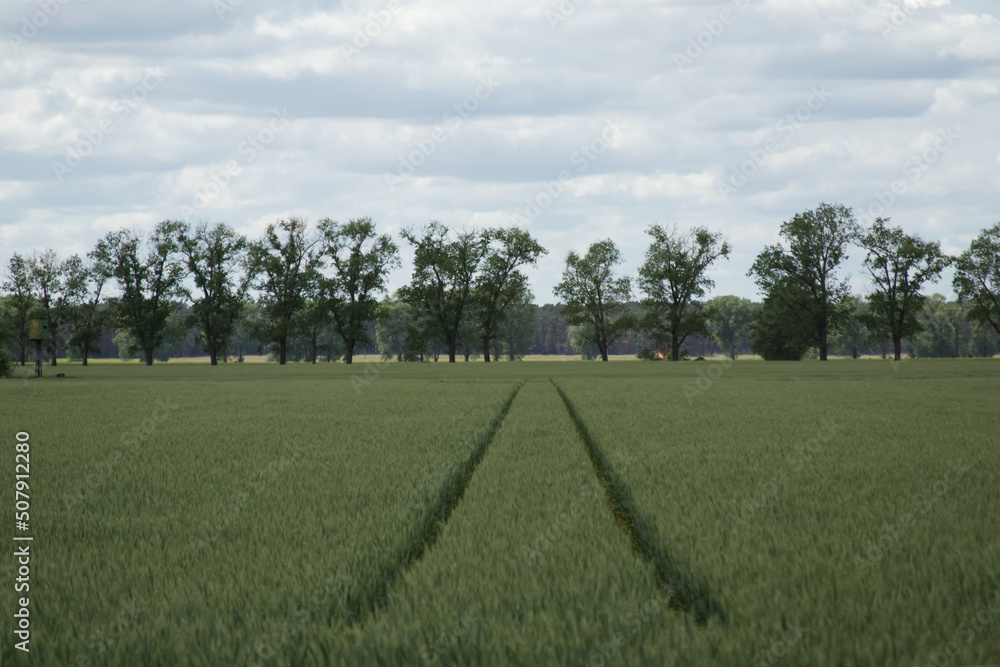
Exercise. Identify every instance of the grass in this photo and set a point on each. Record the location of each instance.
(827, 514)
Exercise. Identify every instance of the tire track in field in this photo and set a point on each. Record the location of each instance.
(685, 593)
(365, 600)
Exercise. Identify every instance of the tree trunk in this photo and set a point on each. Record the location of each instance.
(451, 353)
(486, 347)
(675, 348)
(213, 357)
(282, 350)
(55, 349)
(897, 347)
(822, 345)
(23, 354)
(349, 354)
(603, 347)
(84, 351)
(149, 356)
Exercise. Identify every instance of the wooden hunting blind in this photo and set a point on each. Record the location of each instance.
(38, 330)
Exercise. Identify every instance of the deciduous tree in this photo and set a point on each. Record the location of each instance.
(148, 272)
(777, 332)
(85, 283)
(977, 278)
(730, 318)
(361, 261)
(674, 276)
(20, 300)
(444, 271)
(218, 262)
(285, 264)
(595, 297)
(501, 283)
(900, 265)
(807, 270)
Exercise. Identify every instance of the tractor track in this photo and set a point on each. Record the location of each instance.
(364, 601)
(685, 593)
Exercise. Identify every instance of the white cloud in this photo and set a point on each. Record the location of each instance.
(355, 113)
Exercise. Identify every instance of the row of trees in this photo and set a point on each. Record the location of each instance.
(804, 298)
(302, 281)
(468, 293)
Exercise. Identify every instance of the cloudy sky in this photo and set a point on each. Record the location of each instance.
(579, 119)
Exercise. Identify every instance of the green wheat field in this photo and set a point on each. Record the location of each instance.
(533, 513)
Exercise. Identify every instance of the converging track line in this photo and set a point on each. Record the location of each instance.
(365, 600)
(685, 593)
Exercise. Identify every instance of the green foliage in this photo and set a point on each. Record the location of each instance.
(977, 278)
(285, 265)
(944, 329)
(500, 284)
(518, 328)
(730, 319)
(444, 271)
(900, 265)
(361, 262)
(778, 332)
(86, 316)
(804, 276)
(148, 274)
(128, 346)
(393, 320)
(851, 334)
(19, 301)
(595, 297)
(674, 278)
(217, 260)
(581, 339)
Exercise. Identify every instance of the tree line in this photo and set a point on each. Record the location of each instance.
(323, 288)
(805, 301)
